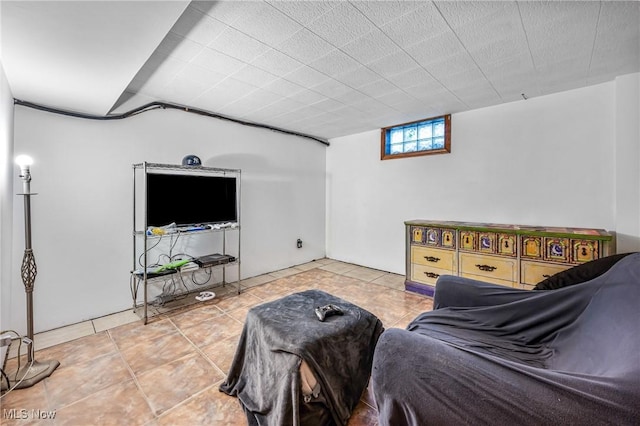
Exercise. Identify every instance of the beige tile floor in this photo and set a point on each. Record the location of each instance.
(116, 370)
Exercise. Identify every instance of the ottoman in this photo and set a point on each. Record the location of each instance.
(292, 369)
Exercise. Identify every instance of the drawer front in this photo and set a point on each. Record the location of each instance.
(427, 274)
(489, 266)
(417, 235)
(491, 280)
(435, 258)
(487, 242)
(556, 249)
(584, 250)
(534, 272)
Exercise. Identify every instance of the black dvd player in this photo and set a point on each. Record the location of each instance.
(213, 260)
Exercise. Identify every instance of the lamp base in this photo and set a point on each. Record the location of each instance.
(30, 375)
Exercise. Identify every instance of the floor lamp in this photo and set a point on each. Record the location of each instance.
(34, 371)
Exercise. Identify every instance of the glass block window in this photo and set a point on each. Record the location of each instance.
(430, 136)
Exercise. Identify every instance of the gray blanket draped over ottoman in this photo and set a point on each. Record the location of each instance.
(277, 336)
(492, 355)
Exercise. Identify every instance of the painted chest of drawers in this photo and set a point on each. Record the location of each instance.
(516, 256)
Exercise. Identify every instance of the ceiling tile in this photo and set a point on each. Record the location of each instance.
(332, 88)
(353, 113)
(513, 86)
(467, 78)
(287, 119)
(328, 105)
(350, 96)
(227, 91)
(519, 67)
(255, 100)
(409, 104)
(497, 52)
(281, 106)
(393, 97)
(276, 63)
(381, 12)
(492, 28)
(421, 24)
(447, 67)
(308, 97)
(369, 47)
(377, 88)
(624, 58)
(306, 112)
(182, 91)
(429, 92)
(370, 106)
(436, 48)
(263, 115)
(619, 18)
(283, 87)
(341, 24)
(238, 45)
(267, 24)
(305, 46)
(255, 76)
(306, 77)
(192, 72)
(477, 94)
(411, 77)
(617, 44)
(218, 62)
(304, 12)
(557, 29)
(335, 62)
(358, 77)
(467, 14)
(396, 63)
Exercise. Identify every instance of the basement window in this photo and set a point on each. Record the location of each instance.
(424, 137)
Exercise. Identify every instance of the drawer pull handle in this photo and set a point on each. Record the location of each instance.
(432, 259)
(488, 268)
(546, 276)
(431, 275)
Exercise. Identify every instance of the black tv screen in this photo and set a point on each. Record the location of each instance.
(190, 199)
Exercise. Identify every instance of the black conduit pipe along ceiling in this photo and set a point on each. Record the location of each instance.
(164, 105)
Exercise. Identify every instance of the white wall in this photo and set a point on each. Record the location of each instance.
(82, 217)
(6, 200)
(543, 161)
(627, 170)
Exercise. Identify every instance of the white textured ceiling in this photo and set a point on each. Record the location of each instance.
(324, 68)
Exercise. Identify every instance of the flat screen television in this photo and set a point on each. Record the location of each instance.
(190, 199)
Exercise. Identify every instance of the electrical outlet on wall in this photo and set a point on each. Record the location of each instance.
(299, 243)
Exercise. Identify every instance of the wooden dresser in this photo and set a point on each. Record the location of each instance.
(516, 256)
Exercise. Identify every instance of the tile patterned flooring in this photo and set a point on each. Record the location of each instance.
(115, 370)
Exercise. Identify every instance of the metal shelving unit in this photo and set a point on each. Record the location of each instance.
(140, 235)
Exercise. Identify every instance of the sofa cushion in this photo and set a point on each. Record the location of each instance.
(581, 273)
